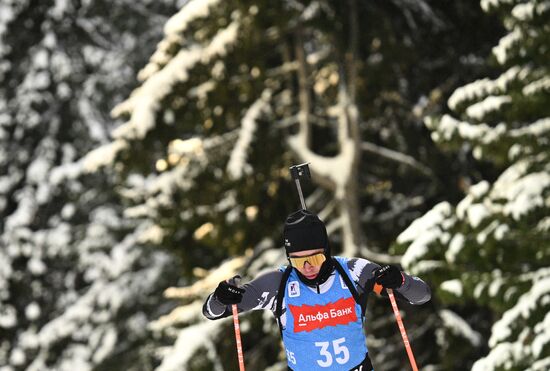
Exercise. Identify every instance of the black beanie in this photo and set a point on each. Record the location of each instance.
(304, 231)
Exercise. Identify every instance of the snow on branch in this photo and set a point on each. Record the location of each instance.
(510, 339)
(460, 327)
(484, 87)
(521, 190)
(146, 100)
(211, 279)
(539, 128)
(237, 161)
(479, 110)
(203, 332)
(424, 231)
(503, 50)
(102, 156)
(190, 340)
(191, 11)
(538, 86)
(449, 127)
(176, 25)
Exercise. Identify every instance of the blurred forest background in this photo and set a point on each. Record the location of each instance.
(144, 154)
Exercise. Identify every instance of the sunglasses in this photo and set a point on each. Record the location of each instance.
(315, 260)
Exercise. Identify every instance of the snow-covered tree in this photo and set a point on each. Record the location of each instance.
(76, 288)
(488, 256)
(239, 90)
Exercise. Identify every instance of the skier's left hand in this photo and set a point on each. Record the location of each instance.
(389, 276)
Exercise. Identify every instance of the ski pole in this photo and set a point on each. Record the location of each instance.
(238, 337)
(402, 329)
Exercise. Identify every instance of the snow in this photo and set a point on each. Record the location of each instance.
(102, 156)
(538, 128)
(479, 190)
(523, 309)
(539, 86)
(40, 59)
(36, 266)
(17, 357)
(38, 170)
(429, 221)
(499, 357)
(540, 365)
(237, 159)
(460, 327)
(501, 231)
(184, 349)
(477, 213)
(496, 283)
(483, 87)
(503, 50)
(44, 247)
(544, 224)
(483, 133)
(202, 331)
(60, 8)
(425, 266)
(523, 12)
(106, 346)
(482, 236)
(510, 339)
(452, 286)
(8, 316)
(455, 246)
(191, 11)
(32, 311)
(479, 110)
(423, 232)
(542, 339)
(24, 213)
(522, 193)
(145, 101)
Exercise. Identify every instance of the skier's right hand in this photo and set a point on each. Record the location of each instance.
(228, 293)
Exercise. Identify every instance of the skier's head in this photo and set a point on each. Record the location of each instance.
(304, 230)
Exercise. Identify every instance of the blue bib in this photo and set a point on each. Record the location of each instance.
(323, 331)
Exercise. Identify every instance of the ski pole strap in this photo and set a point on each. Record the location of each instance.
(238, 337)
(402, 329)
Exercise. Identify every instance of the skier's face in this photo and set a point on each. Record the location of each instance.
(309, 270)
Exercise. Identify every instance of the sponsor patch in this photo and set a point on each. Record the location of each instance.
(308, 317)
(293, 289)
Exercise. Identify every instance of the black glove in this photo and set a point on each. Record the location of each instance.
(389, 276)
(227, 293)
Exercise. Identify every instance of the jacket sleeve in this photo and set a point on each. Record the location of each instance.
(260, 293)
(413, 290)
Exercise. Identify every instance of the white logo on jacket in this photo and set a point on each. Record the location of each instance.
(293, 289)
